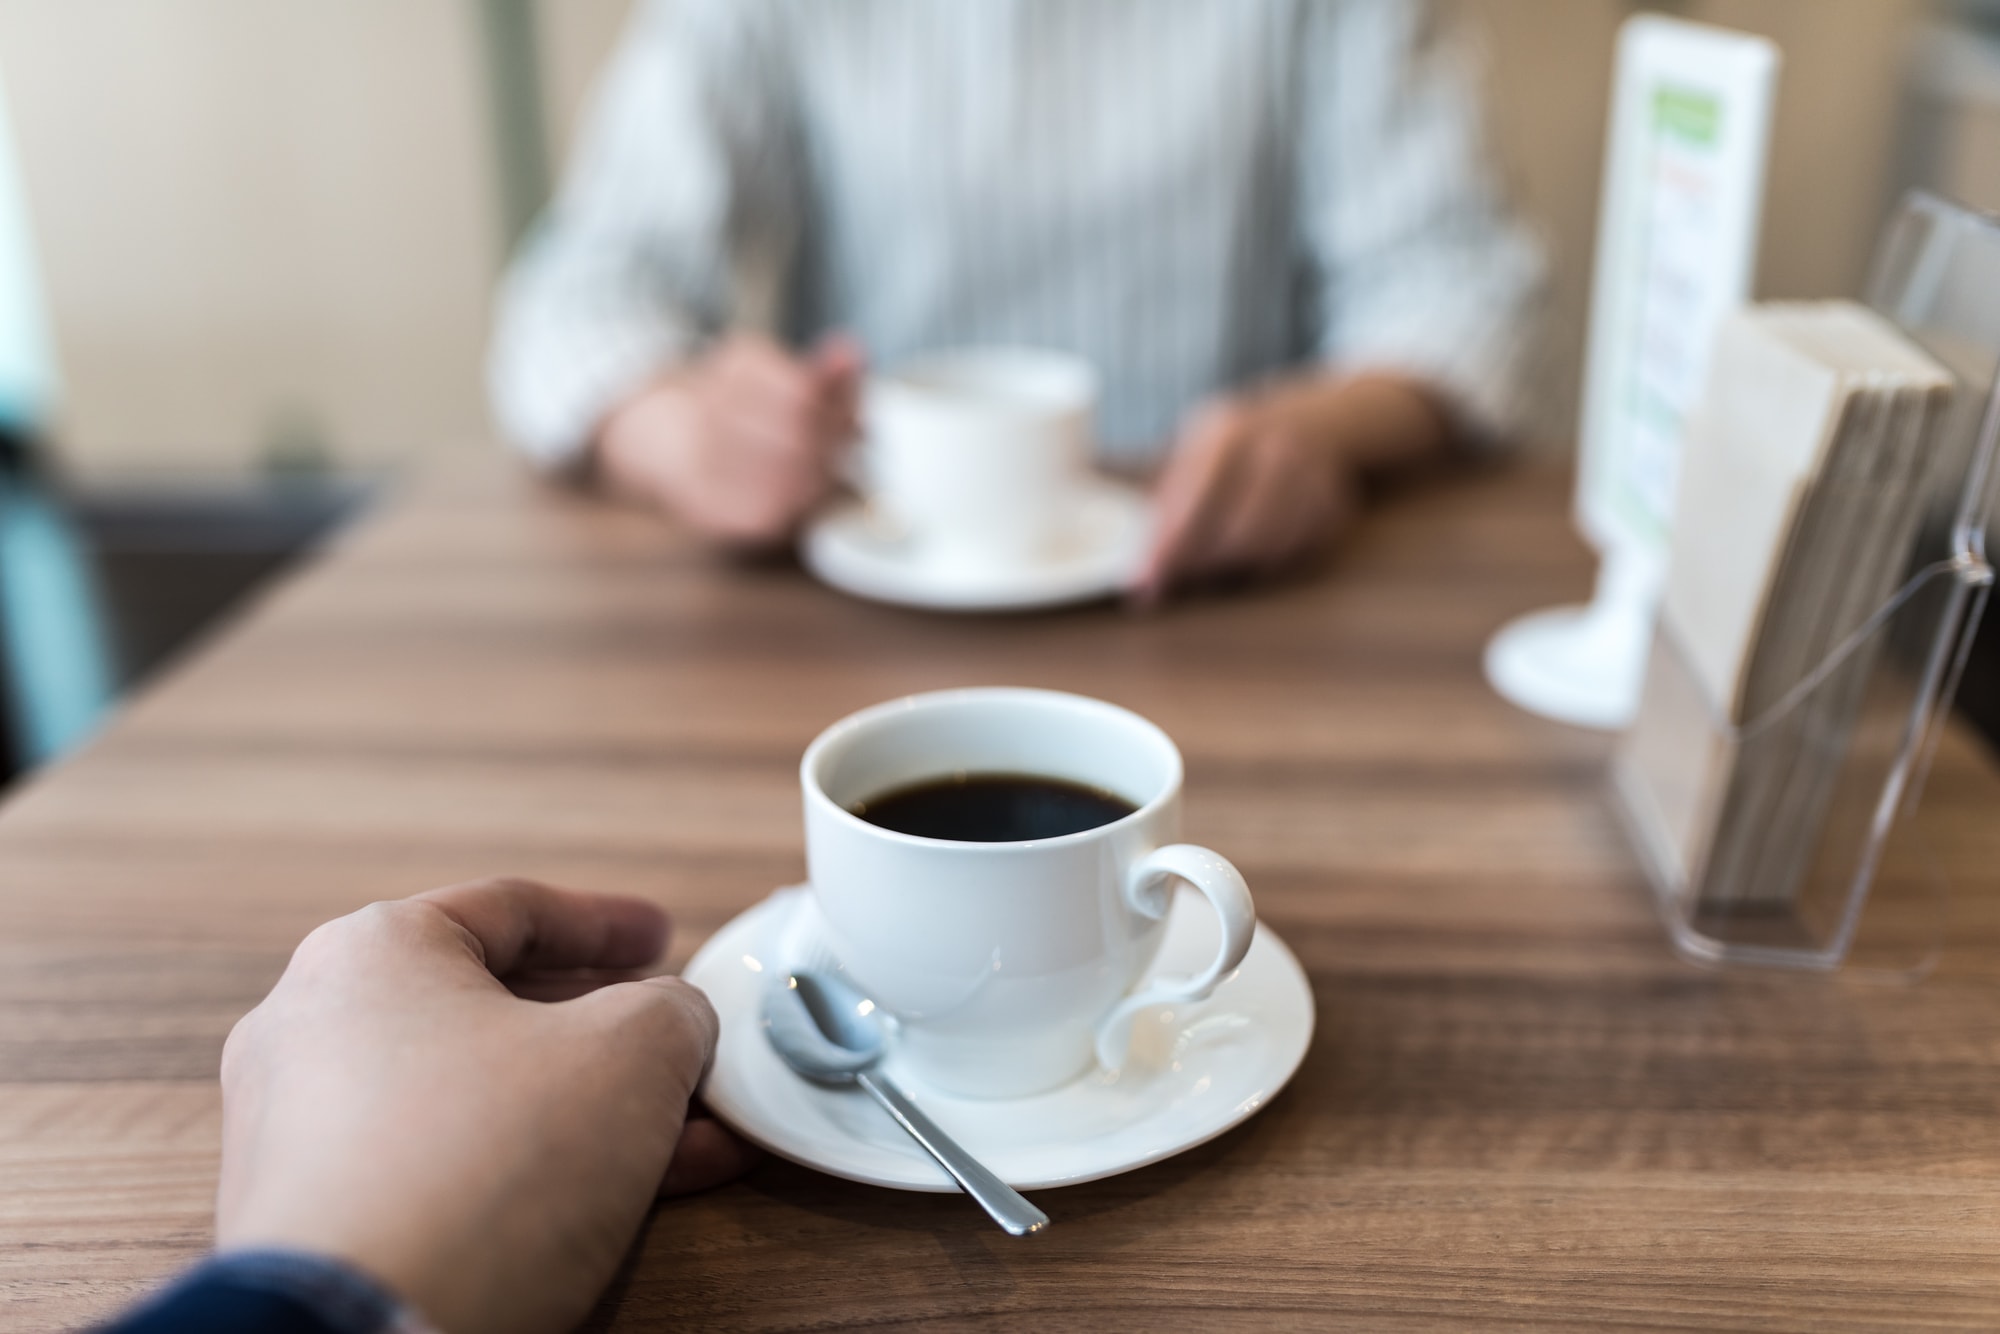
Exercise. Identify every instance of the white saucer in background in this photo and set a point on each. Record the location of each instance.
(1195, 1071)
(855, 550)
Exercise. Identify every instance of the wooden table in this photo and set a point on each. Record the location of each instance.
(1519, 1107)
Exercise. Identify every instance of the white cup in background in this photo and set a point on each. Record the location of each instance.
(978, 454)
(1009, 967)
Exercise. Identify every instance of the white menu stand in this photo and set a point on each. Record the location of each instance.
(1676, 248)
(1583, 665)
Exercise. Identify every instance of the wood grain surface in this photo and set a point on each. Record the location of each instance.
(1519, 1110)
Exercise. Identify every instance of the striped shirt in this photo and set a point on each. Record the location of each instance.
(1192, 195)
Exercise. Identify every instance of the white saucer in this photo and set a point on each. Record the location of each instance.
(1194, 1072)
(855, 550)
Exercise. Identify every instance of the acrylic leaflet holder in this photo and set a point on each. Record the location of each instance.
(1765, 836)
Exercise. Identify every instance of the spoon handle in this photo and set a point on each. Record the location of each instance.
(1009, 1209)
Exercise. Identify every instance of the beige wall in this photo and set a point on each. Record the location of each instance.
(1549, 74)
(249, 208)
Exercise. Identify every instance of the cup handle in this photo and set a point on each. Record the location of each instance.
(1149, 890)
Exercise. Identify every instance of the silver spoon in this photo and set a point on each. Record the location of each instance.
(828, 1032)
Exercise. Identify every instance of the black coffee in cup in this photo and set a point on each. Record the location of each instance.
(993, 808)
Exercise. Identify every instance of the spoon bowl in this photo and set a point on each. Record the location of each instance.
(823, 1028)
(828, 1032)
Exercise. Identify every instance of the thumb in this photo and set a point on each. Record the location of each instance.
(666, 1019)
(704, 1153)
(838, 358)
(837, 363)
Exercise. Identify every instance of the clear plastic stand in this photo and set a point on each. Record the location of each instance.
(1823, 784)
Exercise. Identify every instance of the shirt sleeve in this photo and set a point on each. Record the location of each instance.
(1414, 263)
(686, 160)
(270, 1292)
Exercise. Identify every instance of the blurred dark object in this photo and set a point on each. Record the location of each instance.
(519, 112)
(169, 562)
(100, 587)
(1979, 692)
(1983, 15)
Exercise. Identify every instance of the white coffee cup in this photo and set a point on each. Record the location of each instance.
(1009, 967)
(977, 454)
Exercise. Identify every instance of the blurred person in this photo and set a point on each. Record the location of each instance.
(452, 1112)
(1268, 223)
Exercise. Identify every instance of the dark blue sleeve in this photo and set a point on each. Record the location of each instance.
(267, 1292)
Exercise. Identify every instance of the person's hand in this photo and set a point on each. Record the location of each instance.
(741, 444)
(1262, 480)
(399, 1103)
(1248, 491)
